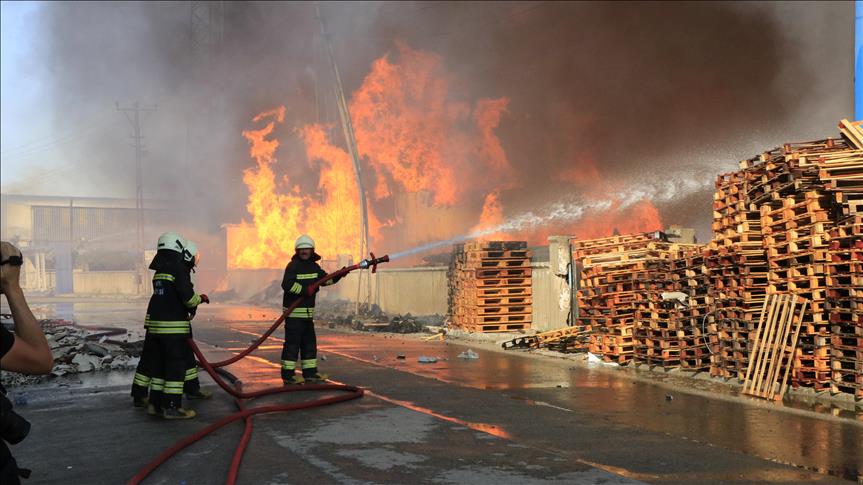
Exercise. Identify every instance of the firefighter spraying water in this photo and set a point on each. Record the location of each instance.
(303, 278)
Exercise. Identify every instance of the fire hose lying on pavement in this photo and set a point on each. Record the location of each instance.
(235, 389)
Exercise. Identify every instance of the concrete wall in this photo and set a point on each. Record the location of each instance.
(423, 291)
(550, 298)
(84, 282)
(418, 291)
(105, 282)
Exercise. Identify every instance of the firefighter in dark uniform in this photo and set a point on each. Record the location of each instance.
(168, 325)
(300, 339)
(144, 373)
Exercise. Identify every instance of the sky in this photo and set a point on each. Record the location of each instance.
(37, 152)
(25, 132)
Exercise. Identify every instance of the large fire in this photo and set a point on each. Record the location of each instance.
(281, 211)
(433, 160)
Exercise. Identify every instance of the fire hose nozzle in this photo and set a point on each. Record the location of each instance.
(373, 262)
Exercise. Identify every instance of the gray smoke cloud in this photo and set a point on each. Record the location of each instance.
(634, 87)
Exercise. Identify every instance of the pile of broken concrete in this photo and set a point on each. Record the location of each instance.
(77, 350)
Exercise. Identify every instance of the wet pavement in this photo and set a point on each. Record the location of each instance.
(504, 418)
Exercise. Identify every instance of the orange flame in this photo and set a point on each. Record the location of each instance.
(417, 138)
(491, 216)
(331, 218)
(432, 158)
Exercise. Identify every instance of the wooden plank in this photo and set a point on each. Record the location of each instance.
(792, 350)
(853, 132)
(778, 346)
(755, 345)
(761, 356)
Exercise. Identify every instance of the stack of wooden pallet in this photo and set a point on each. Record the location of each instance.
(659, 330)
(697, 326)
(490, 286)
(735, 264)
(618, 276)
(845, 306)
(798, 191)
(796, 213)
(795, 239)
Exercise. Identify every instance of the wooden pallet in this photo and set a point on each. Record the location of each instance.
(774, 346)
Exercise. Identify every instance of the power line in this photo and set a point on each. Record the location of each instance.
(52, 141)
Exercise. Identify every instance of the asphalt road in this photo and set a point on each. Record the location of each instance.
(504, 418)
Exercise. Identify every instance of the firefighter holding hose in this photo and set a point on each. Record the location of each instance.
(300, 338)
(164, 369)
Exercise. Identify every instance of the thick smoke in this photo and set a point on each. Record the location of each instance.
(634, 89)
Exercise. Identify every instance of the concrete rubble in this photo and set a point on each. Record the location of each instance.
(78, 350)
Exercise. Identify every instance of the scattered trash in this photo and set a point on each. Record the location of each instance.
(401, 357)
(323, 357)
(427, 360)
(593, 358)
(468, 354)
(669, 397)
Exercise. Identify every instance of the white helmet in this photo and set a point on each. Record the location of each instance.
(170, 240)
(190, 252)
(304, 242)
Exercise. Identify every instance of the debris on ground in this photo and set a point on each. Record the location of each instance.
(371, 318)
(570, 339)
(78, 350)
(468, 354)
(427, 360)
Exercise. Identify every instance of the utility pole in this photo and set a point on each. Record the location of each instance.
(133, 114)
(350, 141)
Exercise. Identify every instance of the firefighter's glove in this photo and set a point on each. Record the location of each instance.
(342, 275)
(205, 299)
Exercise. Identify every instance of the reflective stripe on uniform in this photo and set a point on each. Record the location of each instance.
(302, 313)
(297, 288)
(163, 276)
(169, 327)
(309, 363)
(193, 301)
(141, 380)
(173, 387)
(307, 276)
(191, 374)
(289, 364)
(157, 384)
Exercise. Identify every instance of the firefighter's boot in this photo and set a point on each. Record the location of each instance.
(317, 378)
(140, 402)
(172, 412)
(200, 394)
(153, 410)
(293, 380)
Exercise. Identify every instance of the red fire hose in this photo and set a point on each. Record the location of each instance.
(236, 391)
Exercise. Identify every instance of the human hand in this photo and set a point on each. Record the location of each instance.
(10, 270)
